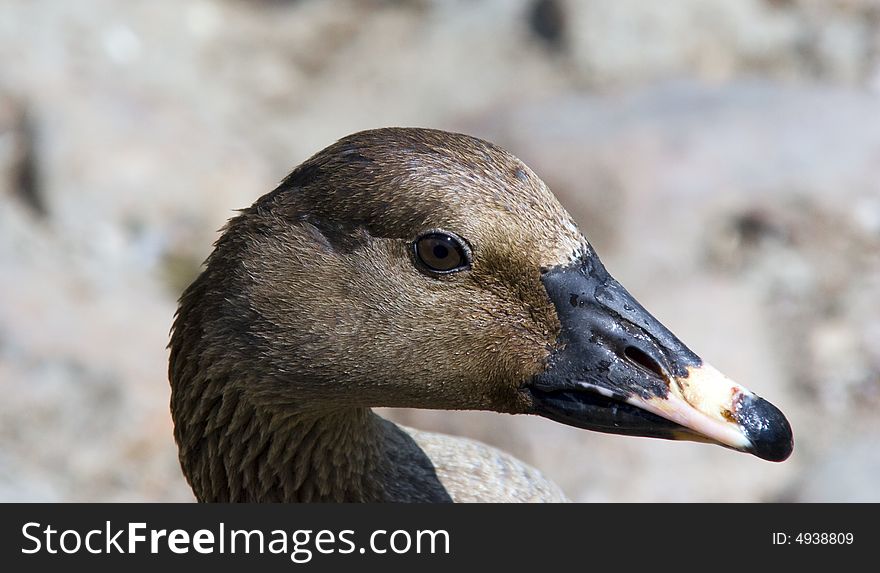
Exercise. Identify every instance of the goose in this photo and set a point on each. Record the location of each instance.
(416, 268)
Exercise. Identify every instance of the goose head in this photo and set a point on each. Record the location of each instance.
(424, 269)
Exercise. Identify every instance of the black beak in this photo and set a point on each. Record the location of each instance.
(617, 369)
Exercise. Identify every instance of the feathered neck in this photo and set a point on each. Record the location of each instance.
(233, 450)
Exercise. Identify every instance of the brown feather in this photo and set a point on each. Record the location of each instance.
(310, 311)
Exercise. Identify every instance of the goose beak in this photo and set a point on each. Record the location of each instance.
(617, 369)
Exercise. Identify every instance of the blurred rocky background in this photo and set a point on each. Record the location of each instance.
(723, 156)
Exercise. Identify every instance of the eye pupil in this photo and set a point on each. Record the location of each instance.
(441, 252)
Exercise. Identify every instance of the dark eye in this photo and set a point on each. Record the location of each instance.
(442, 252)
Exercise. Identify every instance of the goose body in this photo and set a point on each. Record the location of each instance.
(407, 267)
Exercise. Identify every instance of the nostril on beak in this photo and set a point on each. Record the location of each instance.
(644, 361)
